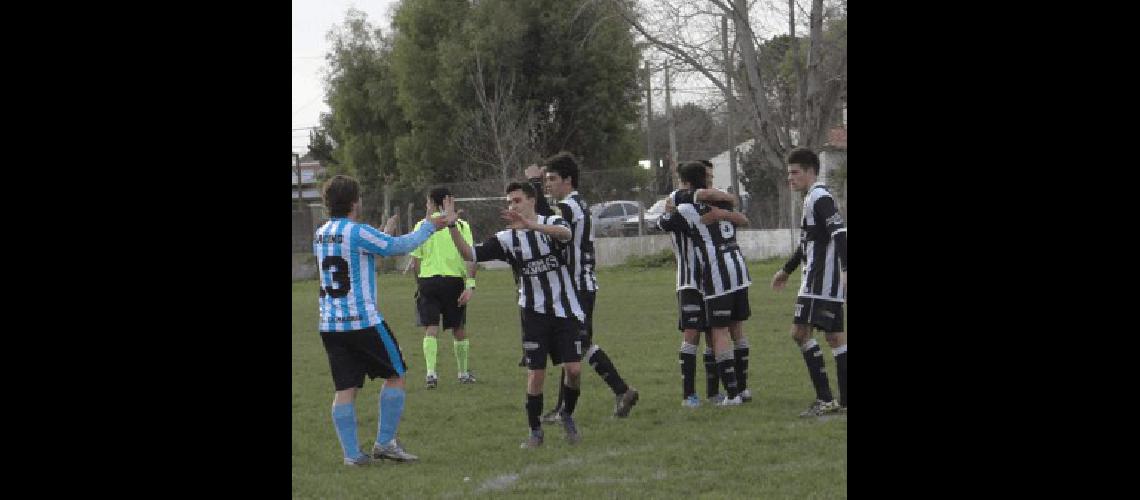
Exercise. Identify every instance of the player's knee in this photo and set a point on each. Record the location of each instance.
(345, 396)
(800, 335)
(431, 330)
(573, 371)
(692, 336)
(459, 333)
(394, 383)
(835, 339)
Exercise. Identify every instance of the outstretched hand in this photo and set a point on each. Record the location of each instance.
(447, 214)
(533, 171)
(514, 219)
(392, 225)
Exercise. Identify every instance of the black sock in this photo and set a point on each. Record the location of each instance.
(712, 380)
(571, 400)
(813, 357)
(605, 368)
(740, 354)
(561, 396)
(534, 411)
(688, 356)
(726, 368)
(841, 374)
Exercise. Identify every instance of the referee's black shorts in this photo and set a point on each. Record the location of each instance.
(439, 295)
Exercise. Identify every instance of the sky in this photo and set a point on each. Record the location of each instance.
(312, 20)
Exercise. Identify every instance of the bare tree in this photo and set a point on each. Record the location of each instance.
(500, 133)
(687, 30)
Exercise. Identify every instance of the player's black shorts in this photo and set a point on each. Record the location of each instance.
(436, 295)
(691, 310)
(586, 300)
(547, 334)
(827, 315)
(723, 310)
(372, 351)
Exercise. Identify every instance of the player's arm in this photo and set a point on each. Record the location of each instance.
(669, 221)
(416, 254)
(689, 215)
(718, 214)
(709, 195)
(534, 177)
(781, 277)
(556, 227)
(472, 267)
(826, 210)
(375, 241)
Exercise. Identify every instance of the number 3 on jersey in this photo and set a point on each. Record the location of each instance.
(727, 230)
(339, 269)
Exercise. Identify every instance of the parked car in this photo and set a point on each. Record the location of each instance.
(607, 217)
(629, 227)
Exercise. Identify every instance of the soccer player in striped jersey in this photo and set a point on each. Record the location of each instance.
(690, 301)
(724, 276)
(819, 304)
(561, 175)
(551, 313)
(356, 338)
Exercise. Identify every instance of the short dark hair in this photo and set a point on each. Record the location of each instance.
(525, 187)
(438, 194)
(564, 165)
(707, 163)
(694, 173)
(339, 194)
(804, 156)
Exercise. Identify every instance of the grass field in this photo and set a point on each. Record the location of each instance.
(467, 436)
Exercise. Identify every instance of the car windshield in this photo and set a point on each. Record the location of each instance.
(657, 208)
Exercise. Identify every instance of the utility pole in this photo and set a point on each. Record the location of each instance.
(732, 181)
(672, 128)
(649, 124)
(297, 167)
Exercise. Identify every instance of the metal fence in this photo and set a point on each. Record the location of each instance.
(602, 189)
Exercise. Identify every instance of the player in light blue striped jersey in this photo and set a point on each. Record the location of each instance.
(356, 338)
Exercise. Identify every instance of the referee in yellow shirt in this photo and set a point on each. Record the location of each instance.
(443, 289)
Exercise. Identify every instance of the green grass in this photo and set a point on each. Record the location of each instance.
(759, 450)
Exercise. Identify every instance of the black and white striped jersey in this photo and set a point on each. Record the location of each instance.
(823, 246)
(722, 265)
(580, 251)
(544, 281)
(688, 268)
